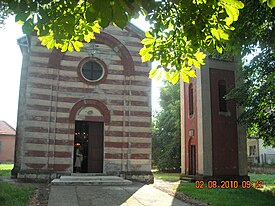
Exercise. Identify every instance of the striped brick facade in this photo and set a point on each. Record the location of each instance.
(53, 95)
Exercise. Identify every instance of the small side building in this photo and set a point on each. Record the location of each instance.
(7, 142)
(213, 144)
(258, 154)
(94, 104)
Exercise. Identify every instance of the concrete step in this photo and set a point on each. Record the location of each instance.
(188, 178)
(91, 180)
(88, 174)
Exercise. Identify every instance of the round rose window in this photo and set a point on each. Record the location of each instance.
(92, 71)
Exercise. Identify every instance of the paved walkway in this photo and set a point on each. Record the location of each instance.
(136, 194)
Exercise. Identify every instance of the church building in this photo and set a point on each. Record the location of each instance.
(93, 106)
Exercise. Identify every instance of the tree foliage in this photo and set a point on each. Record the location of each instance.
(255, 29)
(256, 94)
(166, 132)
(180, 29)
(186, 26)
(4, 13)
(181, 32)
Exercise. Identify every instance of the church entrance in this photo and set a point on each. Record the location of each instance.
(88, 147)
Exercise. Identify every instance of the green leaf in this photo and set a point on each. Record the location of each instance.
(91, 14)
(105, 19)
(200, 56)
(100, 10)
(148, 41)
(13, 5)
(219, 49)
(96, 27)
(64, 47)
(271, 3)
(153, 73)
(168, 75)
(149, 34)
(146, 54)
(232, 9)
(28, 27)
(219, 34)
(185, 78)
(77, 45)
(146, 57)
(70, 47)
(48, 41)
(175, 77)
(22, 16)
(89, 36)
(120, 18)
(190, 72)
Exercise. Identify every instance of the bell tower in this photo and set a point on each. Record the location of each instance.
(213, 145)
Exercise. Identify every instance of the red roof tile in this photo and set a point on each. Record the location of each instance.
(6, 129)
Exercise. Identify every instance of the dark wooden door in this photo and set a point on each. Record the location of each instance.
(192, 160)
(95, 155)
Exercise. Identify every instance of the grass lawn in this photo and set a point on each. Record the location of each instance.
(230, 197)
(170, 177)
(11, 194)
(224, 197)
(14, 195)
(266, 178)
(5, 169)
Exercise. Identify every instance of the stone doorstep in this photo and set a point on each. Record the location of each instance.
(88, 174)
(91, 180)
(87, 178)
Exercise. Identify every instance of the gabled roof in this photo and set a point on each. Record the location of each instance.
(6, 129)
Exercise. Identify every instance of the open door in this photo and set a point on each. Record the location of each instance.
(88, 147)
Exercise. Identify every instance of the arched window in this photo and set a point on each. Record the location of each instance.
(191, 100)
(222, 93)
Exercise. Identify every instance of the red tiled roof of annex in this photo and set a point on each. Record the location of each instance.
(6, 129)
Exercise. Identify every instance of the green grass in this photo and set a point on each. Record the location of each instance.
(170, 177)
(5, 169)
(268, 179)
(227, 197)
(12, 194)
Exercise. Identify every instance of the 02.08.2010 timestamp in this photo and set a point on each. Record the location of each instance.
(228, 184)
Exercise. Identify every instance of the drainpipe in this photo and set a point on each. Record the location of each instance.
(129, 121)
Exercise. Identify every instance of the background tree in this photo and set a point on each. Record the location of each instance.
(166, 132)
(4, 13)
(256, 94)
(255, 29)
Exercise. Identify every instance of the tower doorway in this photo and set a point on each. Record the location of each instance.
(88, 147)
(192, 160)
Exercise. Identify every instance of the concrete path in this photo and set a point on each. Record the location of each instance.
(136, 194)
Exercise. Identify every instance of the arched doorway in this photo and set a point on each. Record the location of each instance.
(89, 118)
